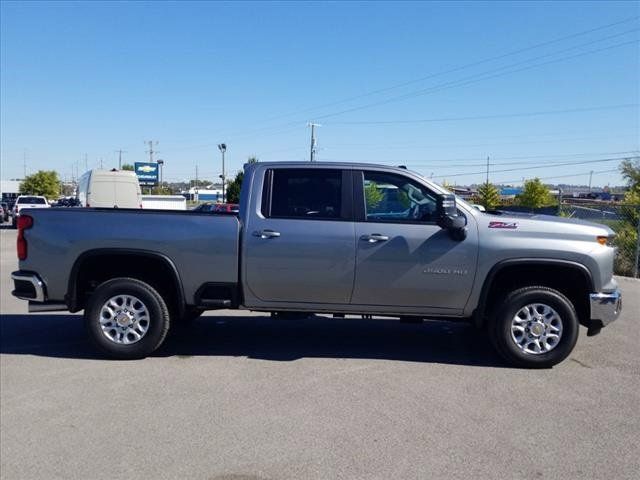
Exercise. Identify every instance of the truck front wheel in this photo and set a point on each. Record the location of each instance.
(534, 327)
(126, 318)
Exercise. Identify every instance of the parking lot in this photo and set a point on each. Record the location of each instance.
(241, 396)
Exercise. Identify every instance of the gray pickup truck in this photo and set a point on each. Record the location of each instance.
(327, 238)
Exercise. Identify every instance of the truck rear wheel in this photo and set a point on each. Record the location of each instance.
(534, 327)
(126, 318)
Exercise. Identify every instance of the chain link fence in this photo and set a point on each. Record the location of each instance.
(622, 219)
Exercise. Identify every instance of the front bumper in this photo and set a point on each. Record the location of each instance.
(605, 307)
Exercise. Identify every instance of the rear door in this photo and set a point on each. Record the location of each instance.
(299, 245)
(403, 258)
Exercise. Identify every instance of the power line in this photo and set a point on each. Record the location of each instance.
(452, 84)
(475, 78)
(519, 157)
(488, 117)
(456, 69)
(562, 176)
(539, 166)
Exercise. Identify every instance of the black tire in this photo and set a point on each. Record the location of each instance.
(159, 318)
(499, 327)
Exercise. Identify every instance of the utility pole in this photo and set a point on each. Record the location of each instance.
(120, 152)
(151, 143)
(24, 162)
(86, 163)
(590, 178)
(487, 170)
(195, 196)
(100, 163)
(313, 140)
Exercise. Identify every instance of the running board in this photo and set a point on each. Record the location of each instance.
(215, 303)
(35, 307)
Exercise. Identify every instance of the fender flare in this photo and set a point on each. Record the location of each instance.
(72, 297)
(480, 311)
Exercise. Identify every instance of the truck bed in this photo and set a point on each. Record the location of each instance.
(204, 248)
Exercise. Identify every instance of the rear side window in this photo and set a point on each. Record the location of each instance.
(304, 193)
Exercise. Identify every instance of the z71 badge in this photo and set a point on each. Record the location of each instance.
(510, 225)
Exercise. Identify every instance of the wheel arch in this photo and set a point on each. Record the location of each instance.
(539, 269)
(114, 258)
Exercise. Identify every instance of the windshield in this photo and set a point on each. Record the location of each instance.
(32, 200)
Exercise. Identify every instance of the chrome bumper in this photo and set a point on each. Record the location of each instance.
(35, 294)
(605, 307)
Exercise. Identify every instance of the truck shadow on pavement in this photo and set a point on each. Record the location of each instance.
(265, 338)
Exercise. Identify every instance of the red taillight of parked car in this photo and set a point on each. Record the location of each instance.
(24, 223)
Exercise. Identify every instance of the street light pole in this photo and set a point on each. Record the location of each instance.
(161, 165)
(223, 148)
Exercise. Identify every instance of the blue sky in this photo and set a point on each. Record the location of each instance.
(91, 78)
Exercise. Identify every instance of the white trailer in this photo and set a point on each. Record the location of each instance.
(164, 202)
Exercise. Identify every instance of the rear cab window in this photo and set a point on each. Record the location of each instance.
(32, 200)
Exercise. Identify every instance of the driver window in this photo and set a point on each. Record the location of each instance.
(395, 198)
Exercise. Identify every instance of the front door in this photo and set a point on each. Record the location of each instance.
(300, 246)
(403, 258)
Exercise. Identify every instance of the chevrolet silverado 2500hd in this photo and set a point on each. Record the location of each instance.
(329, 238)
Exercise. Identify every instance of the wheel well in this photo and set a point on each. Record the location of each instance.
(94, 269)
(571, 281)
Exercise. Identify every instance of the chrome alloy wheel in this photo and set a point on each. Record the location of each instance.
(124, 319)
(536, 328)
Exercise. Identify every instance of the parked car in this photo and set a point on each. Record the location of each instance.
(211, 207)
(27, 201)
(204, 207)
(226, 208)
(335, 238)
(6, 211)
(109, 189)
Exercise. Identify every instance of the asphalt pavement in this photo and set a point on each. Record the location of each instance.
(241, 396)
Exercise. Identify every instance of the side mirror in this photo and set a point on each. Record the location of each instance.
(448, 218)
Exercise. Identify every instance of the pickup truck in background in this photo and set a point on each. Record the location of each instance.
(27, 201)
(328, 238)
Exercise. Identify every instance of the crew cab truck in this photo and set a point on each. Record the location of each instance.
(328, 238)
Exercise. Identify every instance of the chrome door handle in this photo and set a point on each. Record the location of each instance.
(266, 234)
(374, 238)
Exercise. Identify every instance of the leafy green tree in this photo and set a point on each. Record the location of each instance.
(447, 185)
(626, 238)
(233, 188)
(488, 196)
(630, 170)
(43, 182)
(200, 183)
(373, 195)
(127, 166)
(163, 189)
(534, 195)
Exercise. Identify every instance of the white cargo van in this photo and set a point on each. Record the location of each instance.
(109, 189)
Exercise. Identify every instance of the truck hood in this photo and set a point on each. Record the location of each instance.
(545, 224)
